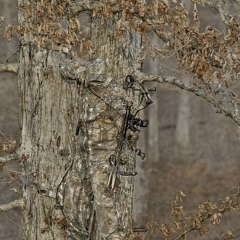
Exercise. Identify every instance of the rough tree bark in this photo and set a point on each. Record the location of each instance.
(66, 191)
(48, 118)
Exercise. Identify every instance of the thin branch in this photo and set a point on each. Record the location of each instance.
(237, 1)
(226, 236)
(141, 77)
(11, 54)
(19, 203)
(184, 233)
(79, 8)
(8, 158)
(10, 67)
(218, 5)
(234, 237)
(15, 223)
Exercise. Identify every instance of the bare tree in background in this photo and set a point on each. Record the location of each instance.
(80, 118)
(10, 221)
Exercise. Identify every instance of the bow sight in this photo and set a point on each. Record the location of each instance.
(133, 122)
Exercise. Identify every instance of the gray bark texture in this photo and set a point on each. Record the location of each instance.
(77, 151)
(182, 134)
(49, 114)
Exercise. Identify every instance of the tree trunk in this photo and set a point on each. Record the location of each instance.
(141, 181)
(67, 193)
(182, 133)
(49, 115)
(153, 152)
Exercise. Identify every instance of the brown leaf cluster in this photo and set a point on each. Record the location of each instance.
(211, 55)
(206, 214)
(7, 145)
(48, 23)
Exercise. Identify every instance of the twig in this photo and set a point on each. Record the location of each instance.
(218, 5)
(141, 77)
(237, 1)
(11, 54)
(8, 158)
(234, 237)
(81, 8)
(15, 223)
(184, 233)
(10, 67)
(19, 203)
(223, 237)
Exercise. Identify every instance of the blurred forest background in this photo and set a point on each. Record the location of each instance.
(10, 221)
(189, 147)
